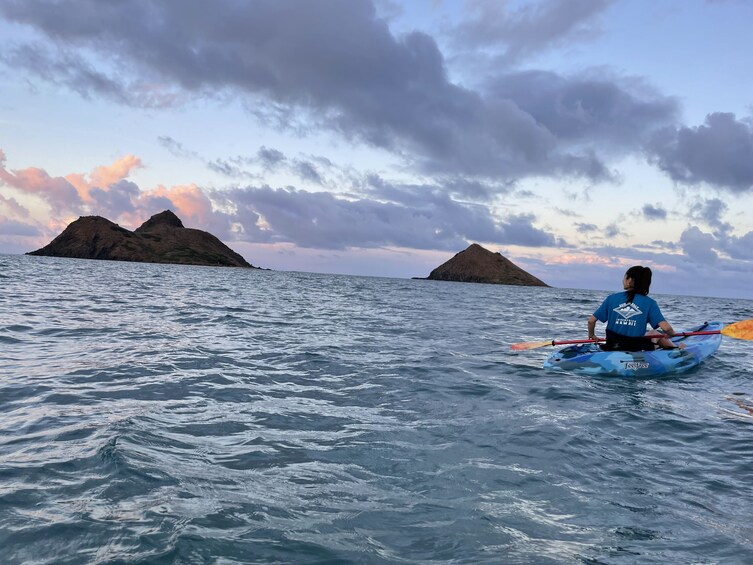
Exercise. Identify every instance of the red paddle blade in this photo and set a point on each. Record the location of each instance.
(740, 330)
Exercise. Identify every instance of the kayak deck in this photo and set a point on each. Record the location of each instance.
(591, 360)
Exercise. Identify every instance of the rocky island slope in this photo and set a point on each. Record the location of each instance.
(480, 265)
(161, 239)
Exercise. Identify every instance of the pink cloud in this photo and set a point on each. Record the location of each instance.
(56, 191)
(104, 176)
(610, 262)
(34, 180)
(104, 191)
(582, 259)
(189, 200)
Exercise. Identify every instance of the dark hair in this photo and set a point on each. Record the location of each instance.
(641, 281)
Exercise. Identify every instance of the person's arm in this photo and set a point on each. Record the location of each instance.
(592, 327)
(667, 328)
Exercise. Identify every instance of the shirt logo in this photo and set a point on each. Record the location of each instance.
(627, 310)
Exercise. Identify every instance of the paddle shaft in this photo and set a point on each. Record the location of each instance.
(598, 339)
(738, 330)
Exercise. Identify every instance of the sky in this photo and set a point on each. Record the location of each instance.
(381, 137)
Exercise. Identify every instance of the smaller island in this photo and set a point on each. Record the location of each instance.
(161, 239)
(479, 265)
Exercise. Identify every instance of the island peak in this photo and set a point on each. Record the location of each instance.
(164, 219)
(479, 265)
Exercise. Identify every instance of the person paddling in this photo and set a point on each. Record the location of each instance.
(627, 313)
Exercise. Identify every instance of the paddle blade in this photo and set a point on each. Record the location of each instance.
(740, 330)
(529, 345)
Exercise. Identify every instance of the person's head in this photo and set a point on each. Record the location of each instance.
(637, 280)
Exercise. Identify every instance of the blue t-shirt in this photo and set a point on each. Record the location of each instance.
(629, 318)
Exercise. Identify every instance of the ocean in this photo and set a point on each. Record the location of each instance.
(177, 414)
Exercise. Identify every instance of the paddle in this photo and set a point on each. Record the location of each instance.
(739, 330)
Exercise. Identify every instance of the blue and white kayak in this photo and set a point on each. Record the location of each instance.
(589, 359)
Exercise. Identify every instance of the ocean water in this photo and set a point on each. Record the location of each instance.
(174, 414)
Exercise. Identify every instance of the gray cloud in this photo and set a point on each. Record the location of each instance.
(586, 228)
(613, 230)
(710, 212)
(266, 159)
(719, 152)
(416, 217)
(119, 197)
(740, 247)
(567, 213)
(307, 171)
(651, 212)
(336, 65)
(16, 228)
(699, 246)
(531, 28)
(587, 110)
(270, 158)
(62, 67)
(177, 148)
(705, 247)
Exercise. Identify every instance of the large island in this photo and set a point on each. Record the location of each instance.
(161, 239)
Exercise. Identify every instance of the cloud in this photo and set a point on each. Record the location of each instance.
(613, 230)
(119, 197)
(706, 247)
(376, 214)
(102, 191)
(651, 212)
(602, 268)
(106, 192)
(59, 193)
(719, 153)
(307, 171)
(586, 228)
(710, 212)
(336, 65)
(102, 177)
(11, 205)
(413, 217)
(234, 167)
(740, 247)
(699, 246)
(12, 227)
(270, 158)
(567, 213)
(531, 28)
(588, 109)
(177, 148)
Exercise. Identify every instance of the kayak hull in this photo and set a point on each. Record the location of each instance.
(589, 359)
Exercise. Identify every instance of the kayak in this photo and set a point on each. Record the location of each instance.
(589, 358)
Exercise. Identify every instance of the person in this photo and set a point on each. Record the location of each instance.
(627, 314)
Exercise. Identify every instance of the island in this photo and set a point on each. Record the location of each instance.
(479, 265)
(161, 239)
